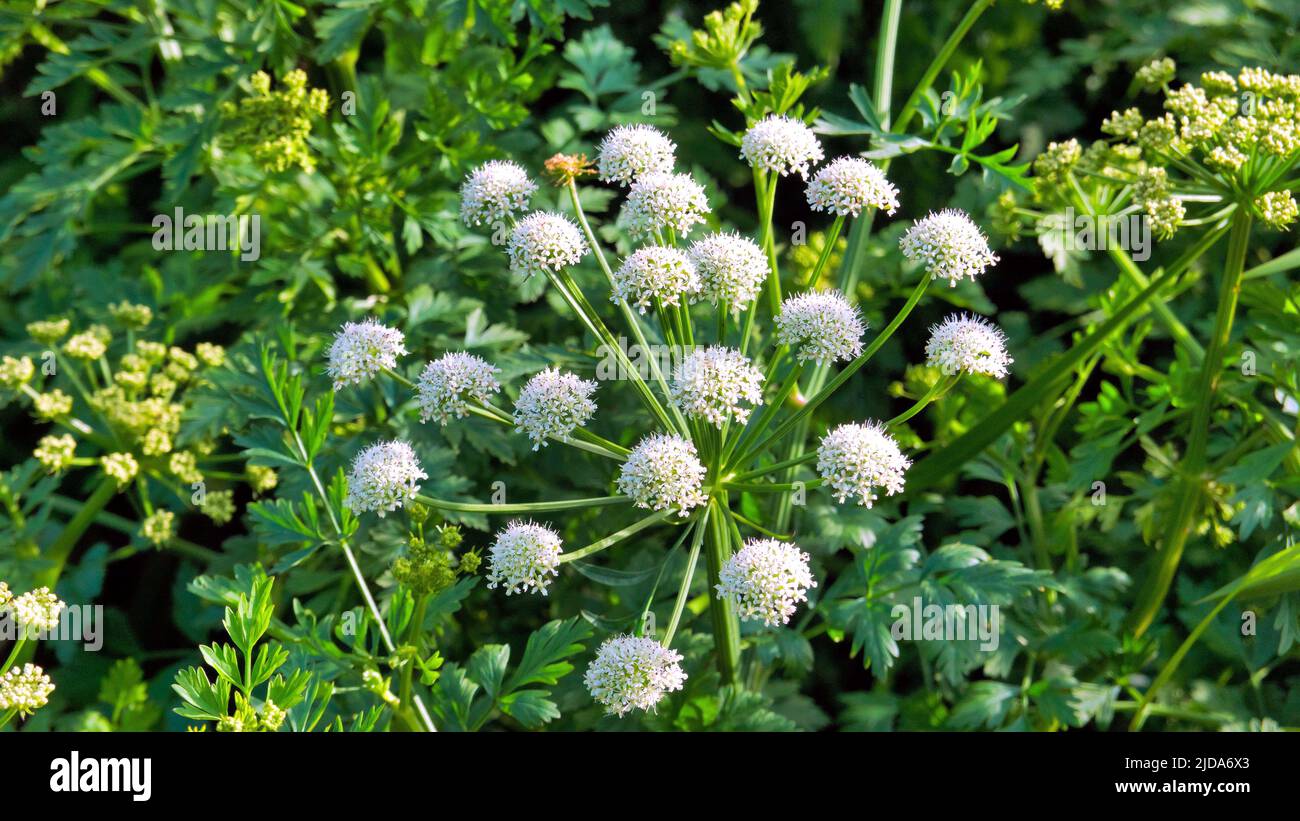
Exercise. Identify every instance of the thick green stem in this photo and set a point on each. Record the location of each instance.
(726, 626)
(1191, 479)
(59, 550)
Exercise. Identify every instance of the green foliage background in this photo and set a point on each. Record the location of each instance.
(442, 85)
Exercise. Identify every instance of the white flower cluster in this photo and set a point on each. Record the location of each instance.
(37, 610)
(950, 246)
(523, 558)
(630, 151)
(361, 350)
(633, 672)
(822, 325)
(445, 383)
(857, 460)
(970, 344)
(781, 144)
(712, 383)
(495, 191)
(664, 472)
(659, 201)
(552, 404)
(766, 579)
(385, 477)
(25, 689)
(655, 272)
(543, 242)
(732, 268)
(847, 185)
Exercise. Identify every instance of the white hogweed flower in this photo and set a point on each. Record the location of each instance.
(713, 382)
(822, 325)
(630, 151)
(847, 185)
(25, 689)
(766, 580)
(495, 191)
(663, 472)
(731, 268)
(545, 243)
(446, 383)
(633, 672)
(970, 344)
(655, 272)
(361, 350)
(384, 477)
(857, 460)
(950, 246)
(782, 144)
(658, 200)
(522, 558)
(37, 610)
(552, 404)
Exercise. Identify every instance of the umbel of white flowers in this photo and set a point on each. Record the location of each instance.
(712, 383)
(661, 201)
(847, 185)
(821, 325)
(731, 268)
(361, 350)
(495, 191)
(765, 580)
(543, 242)
(664, 472)
(781, 144)
(552, 404)
(859, 459)
(524, 557)
(633, 672)
(630, 151)
(25, 689)
(950, 246)
(446, 383)
(968, 344)
(384, 477)
(37, 610)
(655, 273)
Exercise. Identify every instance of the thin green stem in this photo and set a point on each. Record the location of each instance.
(528, 507)
(616, 537)
(684, 591)
(1191, 480)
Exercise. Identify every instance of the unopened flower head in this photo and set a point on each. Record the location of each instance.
(660, 201)
(361, 350)
(25, 689)
(1277, 209)
(766, 580)
(524, 558)
(544, 243)
(37, 610)
(714, 383)
(781, 144)
(49, 331)
(633, 672)
(385, 476)
(15, 373)
(859, 460)
(821, 325)
(86, 346)
(6, 595)
(159, 527)
(949, 245)
(495, 191)
(664, 472)
(968, 344)
(55, 453)
(446, 384)
(731, 268)
(552, 404)
(120, 466)
(847, 185)
(655, 273)
(629, 151)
